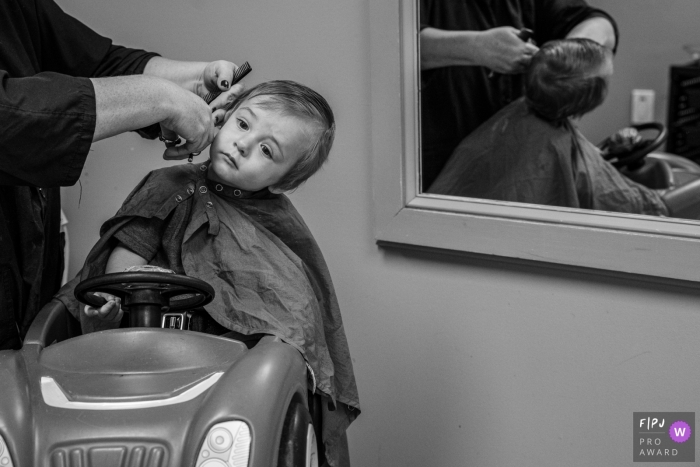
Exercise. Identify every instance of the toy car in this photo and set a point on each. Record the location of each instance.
(144, 396)
(676, 178)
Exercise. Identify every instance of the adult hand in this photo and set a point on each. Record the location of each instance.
(110, 311)
(191, 119)
(221, 104)
(501, 50)
(201, 78)
(218, 77)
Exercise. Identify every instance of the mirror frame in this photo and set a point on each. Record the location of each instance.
(660, 247)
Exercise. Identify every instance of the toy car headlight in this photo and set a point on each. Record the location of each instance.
(5, 459)
(227, 444)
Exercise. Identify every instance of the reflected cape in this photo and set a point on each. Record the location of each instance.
(517, 156)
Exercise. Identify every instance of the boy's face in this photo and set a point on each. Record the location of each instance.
(606, 69)
(256, 147)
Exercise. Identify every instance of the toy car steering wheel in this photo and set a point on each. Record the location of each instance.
(147, 294)
(633, 155)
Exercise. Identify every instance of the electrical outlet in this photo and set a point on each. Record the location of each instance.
(642, 106)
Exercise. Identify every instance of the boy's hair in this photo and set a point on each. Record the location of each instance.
(300, 101)
(562, 80)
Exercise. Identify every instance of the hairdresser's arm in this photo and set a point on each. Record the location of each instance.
(125, 103)
(499, 49)
(598, 29)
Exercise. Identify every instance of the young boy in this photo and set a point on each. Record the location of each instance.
(227, 222)
(532, 152)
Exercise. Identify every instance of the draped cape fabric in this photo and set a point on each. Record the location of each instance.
(516, 156)
(268, 273)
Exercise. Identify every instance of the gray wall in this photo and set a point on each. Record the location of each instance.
(460, 361)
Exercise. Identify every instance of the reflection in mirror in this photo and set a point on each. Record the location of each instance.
(503, 86)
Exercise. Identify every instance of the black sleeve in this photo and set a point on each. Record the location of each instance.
(142, 236)
(72, 48)
(449, 15)
(48, 123)
(49, 118)
(424, 12)
(554, 19)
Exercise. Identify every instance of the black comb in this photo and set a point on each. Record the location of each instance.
(238, 75)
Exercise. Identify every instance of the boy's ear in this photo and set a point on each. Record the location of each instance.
(275, 190)
(219, 116)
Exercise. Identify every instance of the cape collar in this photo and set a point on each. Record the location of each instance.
(229, 192)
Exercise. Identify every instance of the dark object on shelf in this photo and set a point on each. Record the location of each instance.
(683, 119)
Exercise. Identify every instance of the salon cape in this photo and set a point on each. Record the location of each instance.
(267, 271)
(517, 156)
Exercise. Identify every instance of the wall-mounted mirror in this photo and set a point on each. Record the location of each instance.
(652, 36)
(500, 105)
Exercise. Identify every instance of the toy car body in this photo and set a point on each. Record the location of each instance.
(676, 178)
(149, 397)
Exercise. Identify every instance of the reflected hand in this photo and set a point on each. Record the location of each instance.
(501, 50)
(110, 311)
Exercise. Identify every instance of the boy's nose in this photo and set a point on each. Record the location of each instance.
(245, 142)
(241, 147)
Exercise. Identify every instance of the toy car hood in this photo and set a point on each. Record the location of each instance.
(145, 398)
(154, 368)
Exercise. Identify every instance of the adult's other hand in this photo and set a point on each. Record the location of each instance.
(218, 77)
(192, 120)
(223, 103)
(501, 50)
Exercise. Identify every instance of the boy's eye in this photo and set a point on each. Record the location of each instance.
(242, 124)
(267, 151)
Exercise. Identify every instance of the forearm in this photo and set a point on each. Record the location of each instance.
(187, 75)
(122, 258)
(598, 29)
(109, 315)
(440, 48)
(125, 103)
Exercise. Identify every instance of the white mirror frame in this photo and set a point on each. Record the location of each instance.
(660, 247)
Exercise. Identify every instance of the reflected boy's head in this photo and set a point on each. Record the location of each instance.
(567, 78)
(276, 135)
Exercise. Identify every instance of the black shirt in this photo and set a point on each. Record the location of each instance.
(457, 99)
(47, 112)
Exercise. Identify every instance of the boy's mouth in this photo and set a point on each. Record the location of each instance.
(230, 159)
